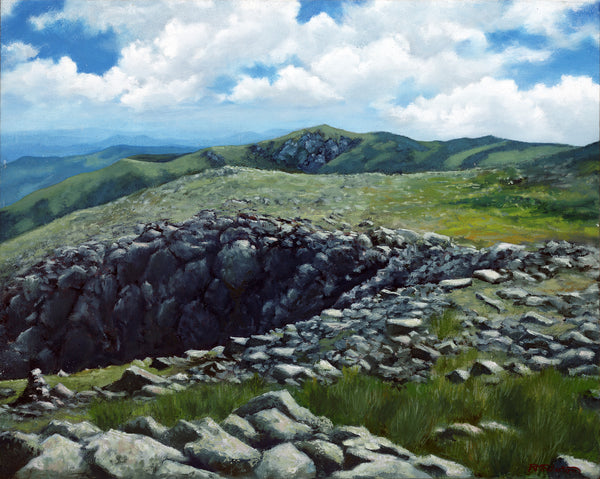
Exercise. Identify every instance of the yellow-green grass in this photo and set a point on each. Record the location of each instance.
(455, 161)
(513, 157)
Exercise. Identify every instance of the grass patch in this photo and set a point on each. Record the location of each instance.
(542, 408)
(447, 324)
(216, 401)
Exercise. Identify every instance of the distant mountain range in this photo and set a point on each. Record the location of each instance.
(31, 173)
(321, 149)
(86, 141)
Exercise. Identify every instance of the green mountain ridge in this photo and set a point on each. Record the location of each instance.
(321, 149)
(31, 173)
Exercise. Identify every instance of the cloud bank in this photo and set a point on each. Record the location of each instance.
(423, 69)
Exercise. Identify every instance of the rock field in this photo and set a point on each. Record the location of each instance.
(225, 298)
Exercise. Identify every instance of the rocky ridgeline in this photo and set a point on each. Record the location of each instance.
(308, 153)
(193, 285)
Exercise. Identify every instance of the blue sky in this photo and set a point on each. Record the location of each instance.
(428, 69)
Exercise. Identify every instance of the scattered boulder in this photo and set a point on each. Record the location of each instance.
(286, 461)
(483, 366)
(60, 457)
(74, 431)
(219, 451)
(489, 276)
(134, 379)
(16, 450)
(128, 456)
(567, 466)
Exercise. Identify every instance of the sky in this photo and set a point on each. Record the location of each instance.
(428, 69)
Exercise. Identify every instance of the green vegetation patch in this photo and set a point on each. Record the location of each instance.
(446, 324)
(542, 410)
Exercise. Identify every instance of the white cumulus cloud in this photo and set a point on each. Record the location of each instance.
(567, 112)
(18, 52)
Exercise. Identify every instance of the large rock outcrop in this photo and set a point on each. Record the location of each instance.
(192, 285)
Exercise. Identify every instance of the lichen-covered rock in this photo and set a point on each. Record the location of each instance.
(74, 431)
(128, 456)
(60, 457)
(16, 450)
(219, 451)
(275, 427)
(286, 461)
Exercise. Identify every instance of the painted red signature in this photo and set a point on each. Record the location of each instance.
(549, 468)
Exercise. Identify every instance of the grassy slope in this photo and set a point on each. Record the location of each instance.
(383, 152)
(472, 206)
(28, 174)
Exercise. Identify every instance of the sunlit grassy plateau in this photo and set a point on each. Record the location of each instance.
(496, 196)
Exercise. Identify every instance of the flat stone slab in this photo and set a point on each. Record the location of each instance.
(456, 283)
(533, 317)
(489, 276)
(400, 326)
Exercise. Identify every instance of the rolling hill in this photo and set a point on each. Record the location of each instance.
(318, 150)
(30, 173)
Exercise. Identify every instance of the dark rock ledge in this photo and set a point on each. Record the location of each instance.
(192, 285)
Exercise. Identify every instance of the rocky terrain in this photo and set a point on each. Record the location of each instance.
(269, 437)
(174, 287)
(308, 153)
(223, 299)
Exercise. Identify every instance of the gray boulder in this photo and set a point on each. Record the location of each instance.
(16, 450)
(458, 283)
(570, 467)
(458, 376)
(128, 456)
(399, 326)
(483, 366)
(145, 425)
(328, 457)
(275, 427)
(219, 451)
(74, 431)
(285, 461)
(180, 434)
(488, 275)
(383, 467)
(240, 428)
(238, 263)
(61, 457)
(74, 277)
(575, 357)
(283, 401)
(135, 378)
(535, 318)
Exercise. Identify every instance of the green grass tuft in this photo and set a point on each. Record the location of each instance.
(447, 324)
(216, 401)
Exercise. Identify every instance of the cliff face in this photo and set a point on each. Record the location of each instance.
(308, 153)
